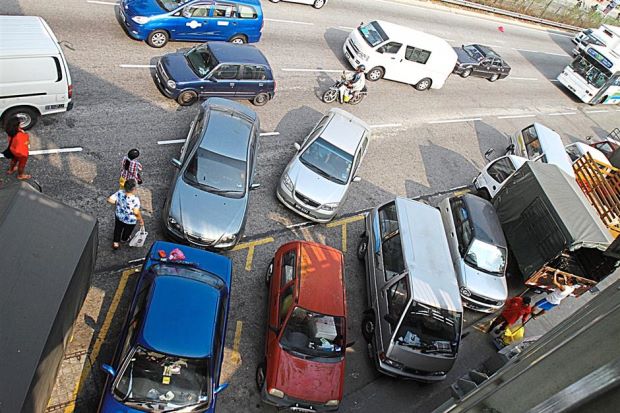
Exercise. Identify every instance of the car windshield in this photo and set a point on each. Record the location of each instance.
(201, 60)
(589, 72)
(328, 160)
(187, 271)
(312, 334)
(430, 330)
(486, 257)
(217, 173)
(159, 382)
(474, 52)
(373, 33)
(170, 4)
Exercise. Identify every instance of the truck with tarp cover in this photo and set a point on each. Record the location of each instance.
(48, 255)
(550, 226)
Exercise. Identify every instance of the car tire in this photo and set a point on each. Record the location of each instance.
(494, 78)
(28, 116)
(157, 38)
(260, 376)
(368, 326)
(238, 39)
(261, 99)
(423, 84)
(466, 73)
(375, 74)
(318, 4)
(362, 248)
(187, 98)
(330, 95)
(269, 273)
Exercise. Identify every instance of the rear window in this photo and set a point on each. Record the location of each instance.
(247, 12)
(30, 69)
(253, 72)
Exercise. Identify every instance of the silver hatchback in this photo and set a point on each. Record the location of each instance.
(317, 179)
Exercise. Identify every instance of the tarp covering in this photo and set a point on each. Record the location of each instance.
(47, 255)
(544, 212)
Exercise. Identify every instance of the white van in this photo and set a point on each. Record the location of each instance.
(34, 76)
(399, 53)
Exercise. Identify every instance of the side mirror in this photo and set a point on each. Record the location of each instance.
(381, 50)
(176, 163)
(297, 146)
(274, 329)
(488, 153)
(254, 186)
(108, 369)
(357, 179)
(350, 344)
(220, 388)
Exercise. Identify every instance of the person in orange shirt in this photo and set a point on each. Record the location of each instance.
(19, 144)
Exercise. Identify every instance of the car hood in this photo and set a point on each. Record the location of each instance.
(313, 185)
(207, 215)
(309, 380)
(177, 68)
(463, 57)
(486, 285)
(144, 8)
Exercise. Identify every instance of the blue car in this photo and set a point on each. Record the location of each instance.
(157, 21)
(170, 352)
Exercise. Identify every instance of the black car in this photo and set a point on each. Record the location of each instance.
(481, 61)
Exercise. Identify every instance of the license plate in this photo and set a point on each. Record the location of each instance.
(302, 209)
(301, 409)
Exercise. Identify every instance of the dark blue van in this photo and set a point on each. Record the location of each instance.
(157, 21)
(219, 69)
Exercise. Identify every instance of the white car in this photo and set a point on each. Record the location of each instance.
(317, 4)
(578, 149)
(491, 179)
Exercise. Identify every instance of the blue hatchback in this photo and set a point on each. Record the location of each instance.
(170, 353)
(157, 21)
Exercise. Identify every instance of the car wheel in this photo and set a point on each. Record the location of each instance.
(269, 273)
(28, 117)
(238, 39)
(494, 78)
(260, 376)
(362, 248)
(318, 4)
(187, 98)
(466, 73)
(375, 74)
(330, 95)
(157, 38)
(423, 84)
(260, 99)
(368, 327)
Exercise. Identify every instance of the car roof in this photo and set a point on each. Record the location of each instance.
(484, 220)
(553, 148)
(180, 317)
(427, 255)
(583, 148)
(26, 36)
(321, 279)
(487, 51)
(226, 52)
(344, 130)
(227, 131)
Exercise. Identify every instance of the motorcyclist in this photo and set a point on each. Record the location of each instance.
(353, 84)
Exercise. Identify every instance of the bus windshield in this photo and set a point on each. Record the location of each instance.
(595, 76)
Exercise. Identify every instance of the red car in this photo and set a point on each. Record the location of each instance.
(306, 328)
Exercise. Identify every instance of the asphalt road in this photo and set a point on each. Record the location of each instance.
(423, 143)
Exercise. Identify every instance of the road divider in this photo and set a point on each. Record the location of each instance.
(516, 116)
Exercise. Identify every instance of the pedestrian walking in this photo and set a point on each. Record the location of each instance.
(127, 213)
(554, 298)
(514, 308)
(131, 168)
(19, 145)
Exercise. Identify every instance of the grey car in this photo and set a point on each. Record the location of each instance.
(478, 249)
(316, 181)
(207, 203)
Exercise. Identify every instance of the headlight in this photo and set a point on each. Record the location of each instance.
(393, 363)
(438, 373)
(140, 19)
(332, 206)
(287, 182)
(174, 224)
(465, 292)
(276, 393)
(332, 403)
(172, 84)
(228, 239)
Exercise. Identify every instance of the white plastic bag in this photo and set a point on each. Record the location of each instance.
(139, 238)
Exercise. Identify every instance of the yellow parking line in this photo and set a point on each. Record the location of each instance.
(461, 192)
(343, 224)
(103, 332)
(235, 357)
(250, 245)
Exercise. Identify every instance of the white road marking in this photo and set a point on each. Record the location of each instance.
(301, 224)
(269, 133)
(455, 120)
(136, 66)
(289, 21)
(596, 111)
(52, 151)
(538, 51)
(311, 70)
(107, 3)
(516, 116)
(553, 80)
(346, 28)
(387, 125)
(519, 78)
(561, 113)
(170, 142)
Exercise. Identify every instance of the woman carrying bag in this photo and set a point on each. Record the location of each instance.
(127, 213)
(18, 150)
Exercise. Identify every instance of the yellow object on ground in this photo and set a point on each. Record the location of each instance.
(513, 335)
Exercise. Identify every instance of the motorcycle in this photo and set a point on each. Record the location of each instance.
(331, 94)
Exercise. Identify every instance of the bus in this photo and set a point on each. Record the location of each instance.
(594, 75)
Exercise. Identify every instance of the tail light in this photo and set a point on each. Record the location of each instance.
(70, 91)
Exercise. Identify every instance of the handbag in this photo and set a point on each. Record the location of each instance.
(139, 238)
(7, 152)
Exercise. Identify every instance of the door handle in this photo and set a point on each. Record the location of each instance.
(393, 58)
